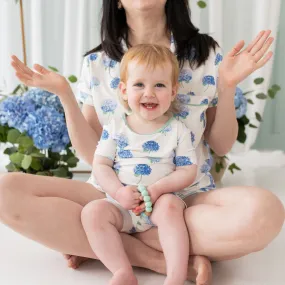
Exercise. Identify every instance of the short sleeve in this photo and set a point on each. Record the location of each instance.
(216, 59)
(107, 145)
(84, 94)
(185, 152)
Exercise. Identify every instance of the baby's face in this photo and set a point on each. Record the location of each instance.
(149, 92)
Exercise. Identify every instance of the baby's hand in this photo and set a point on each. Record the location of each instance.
(43, 78)
(128, 197)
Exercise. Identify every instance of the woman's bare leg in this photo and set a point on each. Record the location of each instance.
(228, 223)
(48, 210)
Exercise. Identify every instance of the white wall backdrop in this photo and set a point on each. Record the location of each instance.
(58, 33)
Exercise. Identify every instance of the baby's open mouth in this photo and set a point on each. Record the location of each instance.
(149, 106)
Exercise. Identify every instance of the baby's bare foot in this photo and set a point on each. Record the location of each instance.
(124, 277)
(200, 270)
(74, 261)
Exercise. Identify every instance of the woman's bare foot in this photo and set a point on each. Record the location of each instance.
(124, 277)
(200, 270)
(74, 261)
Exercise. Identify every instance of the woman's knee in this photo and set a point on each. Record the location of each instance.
(263, 215)
(8, 185)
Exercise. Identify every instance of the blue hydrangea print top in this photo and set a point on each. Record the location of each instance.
(197, 92)
(145, 159)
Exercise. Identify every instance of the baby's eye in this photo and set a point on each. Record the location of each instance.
(139, 85)
(160, 85)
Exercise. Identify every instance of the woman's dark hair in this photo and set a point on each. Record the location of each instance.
(190, 44)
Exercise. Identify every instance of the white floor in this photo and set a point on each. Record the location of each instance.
(24, 262)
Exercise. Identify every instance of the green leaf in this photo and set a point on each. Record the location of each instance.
(232, 167)
(250, 101)
(243, 120)
(26, 162)
(60, 172)
(10, 150)
(72, 161)
(258, 117)
(271, 93)
(36, 164)
(13, 136)
(258, 80)
(248, 92)
(38, 155)
(11, 167)
(72, 78)
(202, 4)
(53, 68)
(241, 134)
(275, 87)
(16, 89)
(44, 173)
(218, 167)
(17, 158)
(25, 142)
(252, 126)
(261, 96)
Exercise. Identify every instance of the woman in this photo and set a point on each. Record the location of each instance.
(223, 224)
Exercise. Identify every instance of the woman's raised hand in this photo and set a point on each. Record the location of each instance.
(42, 78)
(239, 64)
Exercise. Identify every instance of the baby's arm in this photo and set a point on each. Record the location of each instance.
(182, 177)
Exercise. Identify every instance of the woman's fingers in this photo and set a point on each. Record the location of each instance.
(21, 65)
(259, 44)
(263, 50)
(264, 60)
(237, 48)
(258, 37)
(40, 69)
(26, 79)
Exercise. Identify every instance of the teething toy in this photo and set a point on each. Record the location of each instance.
(148, 204)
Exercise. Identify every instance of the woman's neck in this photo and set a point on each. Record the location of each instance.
(148, 29)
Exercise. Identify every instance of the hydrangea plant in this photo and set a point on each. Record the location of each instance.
(34, 123)
(241, 103)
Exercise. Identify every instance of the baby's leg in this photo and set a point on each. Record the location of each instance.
(102, 222)
(168, 215)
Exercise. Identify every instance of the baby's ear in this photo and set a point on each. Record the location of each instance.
(123, 90)
(174, 91)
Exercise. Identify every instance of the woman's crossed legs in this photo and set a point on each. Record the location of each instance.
(223, 224)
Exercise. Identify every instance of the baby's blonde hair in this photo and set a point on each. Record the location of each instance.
(152, 56)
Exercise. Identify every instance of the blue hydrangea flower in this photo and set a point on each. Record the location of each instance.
(192, 137)
(94, 82)
(205, 102)
(39, 114)
(122, 141)
(154, 159)
(185, 76)
(184, 112)
(218, 59)
(142, 169)
(214, 102)
(109, 106)
(240, 103)
(133, 230)
(115, 83)
(191, 93)
(93, 56)
(183, 98)
(108, 62)
(150, 146)
(105, 135)
(205, 168)
(125, 153)
(202, 119)
(182, 161)
(208, 80)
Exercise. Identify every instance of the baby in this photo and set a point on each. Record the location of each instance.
(147, 150)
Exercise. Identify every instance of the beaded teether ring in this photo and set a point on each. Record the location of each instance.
(148, 204)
